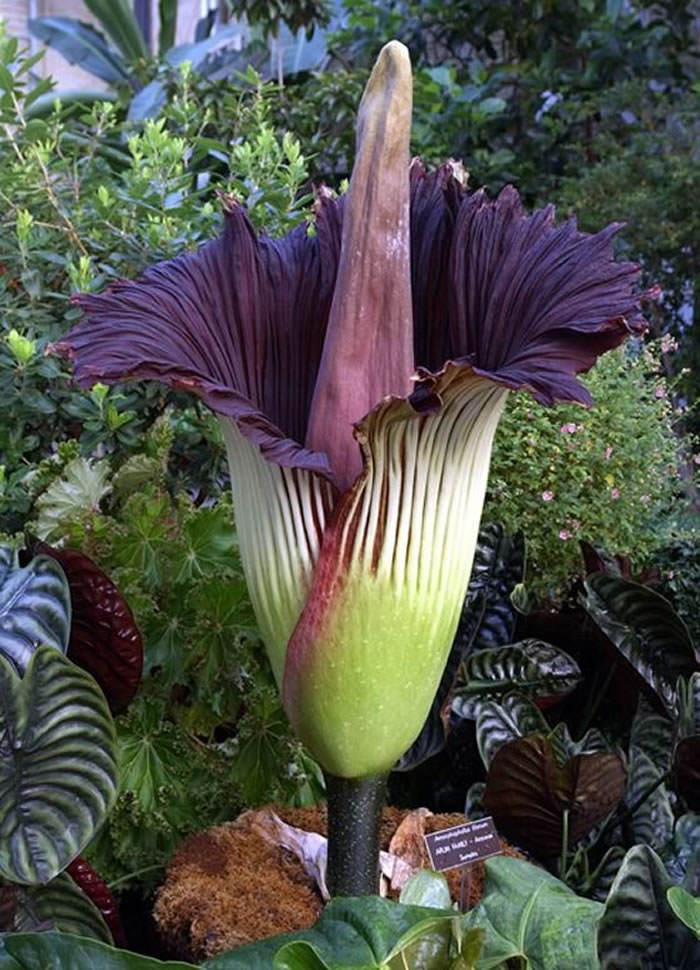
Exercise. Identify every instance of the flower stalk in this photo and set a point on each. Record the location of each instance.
(354, 816)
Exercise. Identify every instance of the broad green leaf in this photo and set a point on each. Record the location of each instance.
(645, 629)
(532, 667)
(426, 888)
(210, 543)
(167, 13)
(365, 933)
(81, 44)
(63, 951)
(118, 21)
(527, 913)
(80, 489)
(58, 766)
(498, 723)
(686, 907)
(59, 905)
(35, 607)
(638, 929)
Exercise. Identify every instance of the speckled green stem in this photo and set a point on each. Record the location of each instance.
(354, 813)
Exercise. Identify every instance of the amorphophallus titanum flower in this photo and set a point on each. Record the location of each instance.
(359, 373)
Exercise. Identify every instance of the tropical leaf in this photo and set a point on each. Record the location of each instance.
(35, 607)
(528, 914)
(426, 888)
(58, 767)
(686, 755)
(686, 907)
(646, 630)
(59, 905)
(682, 854)
(104, 638)
(532, 667)
(81, 44)
(118, 21)
(652, 822)
(564, 747)
(638, 929)
(167, 13)
(527, 792)
(688, 693)
(78, 491)
(63, 951)
(498, 723)
(652, 733)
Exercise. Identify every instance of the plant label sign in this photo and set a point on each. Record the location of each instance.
(462, 845)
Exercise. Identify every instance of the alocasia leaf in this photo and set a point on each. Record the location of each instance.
(682, 854)
(499, 722)
(104, 638)
(58, 768)
(652, 733)
(646, 630)
(35, 607)
(652, 822)
(686, 756)
(638, 929)
(59, 905)
(527, 792)
(564, 747)
(532, 667)
(527, 913)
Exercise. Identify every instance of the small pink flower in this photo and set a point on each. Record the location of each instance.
(569, 428)
(564, 534)
(659, 391)
(547, 496)
(608, 452)
(696, 459)
(668, 344)
(614, 493)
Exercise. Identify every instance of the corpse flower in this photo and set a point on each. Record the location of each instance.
(359, 373)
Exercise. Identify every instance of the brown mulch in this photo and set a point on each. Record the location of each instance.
(227, 885)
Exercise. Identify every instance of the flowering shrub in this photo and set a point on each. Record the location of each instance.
(609, 474)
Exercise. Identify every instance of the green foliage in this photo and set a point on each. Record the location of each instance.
(610, 474)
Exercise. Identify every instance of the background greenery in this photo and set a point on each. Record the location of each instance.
(592, 105)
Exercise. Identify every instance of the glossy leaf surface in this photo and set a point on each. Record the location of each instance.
(60, 905)
(646, 630)
(498, 723)
(35, 607)
(104, 638)
(58, 766)
(652, 822)
(532, 667)
(63, 951)
(686, 907)
(638, 927)
(527, 792)
(527, 913)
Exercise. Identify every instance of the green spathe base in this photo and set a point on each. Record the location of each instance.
(354, 813)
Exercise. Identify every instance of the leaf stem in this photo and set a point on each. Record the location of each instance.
(564, 842)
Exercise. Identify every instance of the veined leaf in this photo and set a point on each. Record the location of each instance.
(652, 733)
(682, 854)
(35, 607)
(652, 823)
(59, 905)
(532, 667)
(58, 768)
(638, 928)
(564, 747)
(498, 723)
(646, 630)
(686, 907)
(119, 22)
(63, 951)
(80, 489)
(529, 914)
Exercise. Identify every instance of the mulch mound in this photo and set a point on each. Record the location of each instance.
(227, 886)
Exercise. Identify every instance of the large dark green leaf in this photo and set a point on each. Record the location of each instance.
(638, 930)
(356, 934)
(63, 951)
(534, 668)
(527, 792)
(652, 733)
(118, 21)
(682, 854)
(686, 756)
(564, 747)
(652, 822)
(81, 44)
(167, 14)
(498, 723)
(58, 765)
(527, 913)
(646, 630)
(59, 905)
(35, 607)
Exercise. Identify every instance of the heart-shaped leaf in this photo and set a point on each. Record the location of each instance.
(59, 905)
(646, 630)
(527, 792)
(498, 723)
(686, 907)
(638, 927)
(34, 607)
(104, 638)
(532, 667)
(63, 951)
(364, 933)
(58, 765)
(526, 913)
